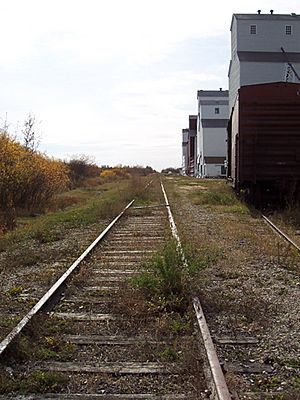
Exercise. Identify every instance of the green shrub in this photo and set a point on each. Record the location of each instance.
(164, 279)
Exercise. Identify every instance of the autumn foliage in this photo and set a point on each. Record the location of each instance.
(124, 172)
(111, 174)
(81, 168)
(28, 179)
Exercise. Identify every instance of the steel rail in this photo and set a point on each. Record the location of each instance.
(280, 233)
(57, 286)
(173, 226)
(142, 207)
(220, 391)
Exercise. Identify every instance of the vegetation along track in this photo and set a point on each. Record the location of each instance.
(101, 340)
(281, 233)
(249, 289)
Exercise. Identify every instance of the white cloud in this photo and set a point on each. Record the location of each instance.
(142, 31)
(116, 74)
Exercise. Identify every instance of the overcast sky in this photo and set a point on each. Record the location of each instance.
(115, 79)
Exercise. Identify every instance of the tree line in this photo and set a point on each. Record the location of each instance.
(29, 178)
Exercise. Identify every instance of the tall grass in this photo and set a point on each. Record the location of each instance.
(289, 216)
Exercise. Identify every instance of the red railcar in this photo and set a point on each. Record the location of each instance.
(264, 142)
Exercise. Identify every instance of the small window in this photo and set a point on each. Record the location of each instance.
(288, 29)
(217, 110)
(253, 29)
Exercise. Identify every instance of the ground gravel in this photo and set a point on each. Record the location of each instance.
(251, 290)
(28, 269)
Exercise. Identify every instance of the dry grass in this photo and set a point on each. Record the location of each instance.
(214, 195)
(235, 289)
(289, 216)
(77, 208)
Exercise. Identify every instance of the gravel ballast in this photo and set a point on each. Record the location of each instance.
(251, 290)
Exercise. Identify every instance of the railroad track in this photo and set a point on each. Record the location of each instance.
(279, 232)
(113, 355)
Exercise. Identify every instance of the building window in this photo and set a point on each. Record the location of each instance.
(217, 110)
(288, 29)
(253, 29)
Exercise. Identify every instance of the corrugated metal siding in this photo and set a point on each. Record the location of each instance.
(193, 122)
(269, 133)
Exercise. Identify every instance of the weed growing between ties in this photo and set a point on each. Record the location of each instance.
(36, 382)
(41, 340)
(166, 283)
(169, 354)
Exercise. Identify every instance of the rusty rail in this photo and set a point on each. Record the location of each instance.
(54, 290)
(219, 387)
(280, 233)
(217, 380)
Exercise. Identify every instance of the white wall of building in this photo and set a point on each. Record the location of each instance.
(258, 58)
(209, 111)
(270, 36)
(264, 72)
(214, 141)
(211, 131)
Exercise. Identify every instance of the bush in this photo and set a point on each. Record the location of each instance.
(124, 172)
(28, 179)
(112, 174)
(81, 167)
